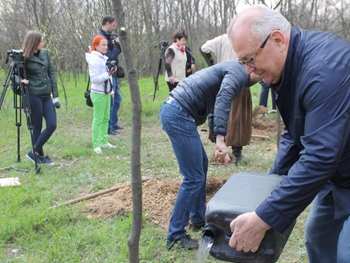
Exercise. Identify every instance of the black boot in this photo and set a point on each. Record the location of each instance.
(237, 153)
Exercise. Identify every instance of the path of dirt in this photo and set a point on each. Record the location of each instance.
(159, 194)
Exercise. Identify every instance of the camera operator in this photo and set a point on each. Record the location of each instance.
(41, 83)
(108, 27)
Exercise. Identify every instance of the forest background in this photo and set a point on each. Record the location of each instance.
(69, 26)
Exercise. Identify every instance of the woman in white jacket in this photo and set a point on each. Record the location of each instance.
(101, 90)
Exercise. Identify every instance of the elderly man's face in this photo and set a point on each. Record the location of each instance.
(264, 58)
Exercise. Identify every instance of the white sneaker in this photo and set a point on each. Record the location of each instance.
(98, 150)
(108, 146)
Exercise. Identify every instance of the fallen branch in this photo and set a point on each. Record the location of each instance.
(89, 196)
(260, 136)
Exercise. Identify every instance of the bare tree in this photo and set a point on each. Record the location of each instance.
(136, 183)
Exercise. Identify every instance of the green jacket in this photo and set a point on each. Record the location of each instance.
(41, 76)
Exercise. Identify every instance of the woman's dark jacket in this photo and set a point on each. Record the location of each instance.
(210, 89)
(41, 75)
(314, 153)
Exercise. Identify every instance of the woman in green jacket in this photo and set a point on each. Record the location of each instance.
(41, 83)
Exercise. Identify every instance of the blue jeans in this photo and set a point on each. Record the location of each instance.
(115, 104)
(193, 163)
(42, 107)
(327, 239)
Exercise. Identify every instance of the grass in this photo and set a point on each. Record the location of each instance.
(31, 231)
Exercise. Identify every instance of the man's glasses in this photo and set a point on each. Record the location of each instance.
(250, 62)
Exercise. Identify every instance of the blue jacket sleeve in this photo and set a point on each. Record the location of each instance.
(324, 97)
(287, 155)
(113, 53)
(234, 81)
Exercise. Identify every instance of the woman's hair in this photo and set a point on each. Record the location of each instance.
(95, 42)
(178, 34)
(30, 44)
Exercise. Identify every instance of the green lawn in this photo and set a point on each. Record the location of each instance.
(34, 232)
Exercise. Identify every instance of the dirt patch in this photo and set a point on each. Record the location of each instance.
(159, 194)
(158, 199)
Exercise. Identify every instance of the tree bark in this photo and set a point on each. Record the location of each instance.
(136, 182)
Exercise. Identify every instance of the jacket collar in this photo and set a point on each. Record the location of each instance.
(295, 36)
(38, 59)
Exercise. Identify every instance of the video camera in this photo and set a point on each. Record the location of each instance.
(112, 37)
(163, 44)
(15, 54)
(111, 64)
(15, 77)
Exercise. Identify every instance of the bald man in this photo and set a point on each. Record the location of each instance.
(310, 72)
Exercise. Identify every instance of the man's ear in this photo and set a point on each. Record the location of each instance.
(277, 37)
(279, 40)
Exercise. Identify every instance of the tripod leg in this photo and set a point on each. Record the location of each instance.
(157, 76)
(18, 101)
(6, 84)
(10, 77)
(28, 112)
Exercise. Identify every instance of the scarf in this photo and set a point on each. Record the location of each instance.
(181, 47)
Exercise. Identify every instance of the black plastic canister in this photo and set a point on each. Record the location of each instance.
(243, 192)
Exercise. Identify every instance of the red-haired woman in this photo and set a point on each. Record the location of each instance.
(101, 90)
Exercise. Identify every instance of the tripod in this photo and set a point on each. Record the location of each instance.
(164, 46)
(21, 101)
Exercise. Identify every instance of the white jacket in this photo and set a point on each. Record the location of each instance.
(221, 47)
(98, 72)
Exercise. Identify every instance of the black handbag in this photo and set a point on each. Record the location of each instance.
(87, 95)
(120, 72)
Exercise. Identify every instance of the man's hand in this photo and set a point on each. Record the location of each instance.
(222, 151)
(113, 70)
(248, 230)
(172, 80)
(115, 41)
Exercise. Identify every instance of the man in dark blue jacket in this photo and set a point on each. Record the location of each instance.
(108, 26)
(310, 72)
(188, 105)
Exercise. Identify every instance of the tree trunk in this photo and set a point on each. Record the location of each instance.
(136, 183)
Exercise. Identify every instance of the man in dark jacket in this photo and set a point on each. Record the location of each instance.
(188, 105)
(107, 30)
(310, 72)
(190, 63)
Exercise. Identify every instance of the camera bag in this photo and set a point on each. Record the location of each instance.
(120, 72)
(87, 95)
